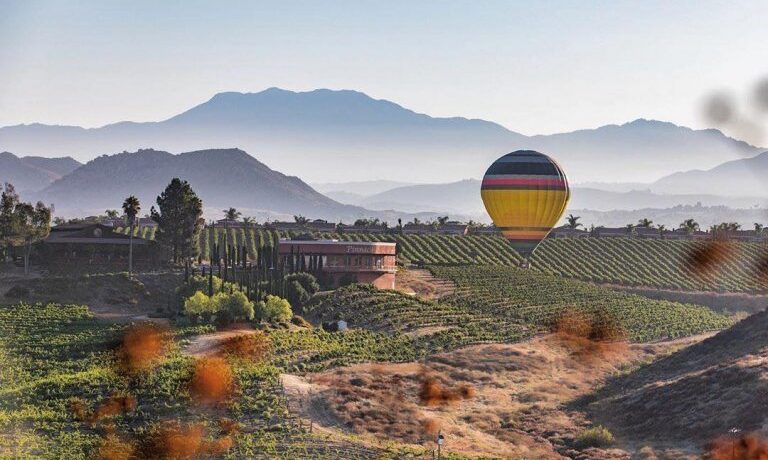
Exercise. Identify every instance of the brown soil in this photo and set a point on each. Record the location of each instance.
(420, 282)
(512, 398)
(693, 396)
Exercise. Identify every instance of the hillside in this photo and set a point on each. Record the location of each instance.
(695, 395)
(312, 133)
(221, 177)
(33, 173)
(745, 177)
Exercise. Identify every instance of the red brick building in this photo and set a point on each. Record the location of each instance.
(361, 262)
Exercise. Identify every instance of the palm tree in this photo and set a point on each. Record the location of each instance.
(759, 228)
(689, 225)
(232, 214)
(301, 220)
(111, 213)
(645, 223)
(573, 221)
(442, 220)
(662, 228)
(248, 220)
(131, 208)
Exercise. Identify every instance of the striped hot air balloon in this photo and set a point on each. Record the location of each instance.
(525, 193)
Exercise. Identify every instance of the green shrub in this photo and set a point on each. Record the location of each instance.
(296, 294)
(200, 305)
(233, 307)
(597, 436)
(274, 309)
(200, 283)
(307, 281)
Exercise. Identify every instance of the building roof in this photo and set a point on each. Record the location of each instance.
(89, 234)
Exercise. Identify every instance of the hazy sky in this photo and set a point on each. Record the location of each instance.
(535, 67)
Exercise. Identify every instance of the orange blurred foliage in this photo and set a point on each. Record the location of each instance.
(595, 335)
(143, 345)
(172, 440)
(212, 381)
(762, 267)
(705, 258)
(747, 447)
(79, 409)
(113, 406)
(432, 392)
(255, 347)
(114, 448)
(430, 426)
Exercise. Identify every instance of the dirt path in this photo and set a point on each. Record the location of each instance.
(209, 344)
(517, 405)
(421, 282)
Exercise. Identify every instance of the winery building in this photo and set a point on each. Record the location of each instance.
(94, 248)
(347, 261)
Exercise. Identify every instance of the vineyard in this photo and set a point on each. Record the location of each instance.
(510, 294)
(631, 262)
(60, 354)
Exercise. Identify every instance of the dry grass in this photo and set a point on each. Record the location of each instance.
(495, 400)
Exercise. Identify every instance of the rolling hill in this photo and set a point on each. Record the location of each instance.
(463, 197)
(695, 395)
(33, 173)
(745, 177)
(221, 177)
(326, 135)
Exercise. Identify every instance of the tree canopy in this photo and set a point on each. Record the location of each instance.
(179, 219)
(22, 224)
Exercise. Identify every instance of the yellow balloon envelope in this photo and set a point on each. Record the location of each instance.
(525, 193)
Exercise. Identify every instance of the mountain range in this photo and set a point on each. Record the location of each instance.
(325, 135)
(463, 197)
(221, 177)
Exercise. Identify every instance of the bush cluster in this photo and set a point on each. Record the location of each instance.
(300, 287)
(274, 309)
(225, 307)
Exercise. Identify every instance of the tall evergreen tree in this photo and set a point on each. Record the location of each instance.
(179, 219)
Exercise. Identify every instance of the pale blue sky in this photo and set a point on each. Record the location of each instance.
(535, 67)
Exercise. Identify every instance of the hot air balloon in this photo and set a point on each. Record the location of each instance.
(525, 193)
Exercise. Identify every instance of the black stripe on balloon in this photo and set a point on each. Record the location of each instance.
(523, 187)
(532, 169)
